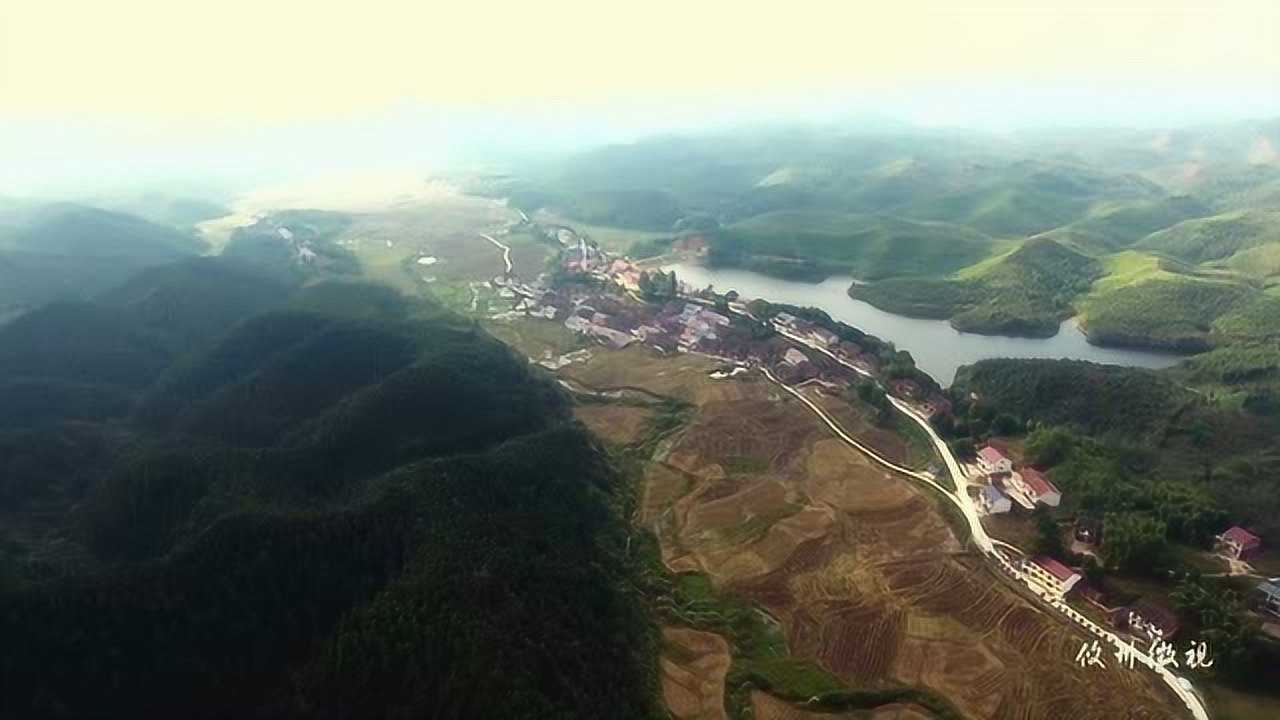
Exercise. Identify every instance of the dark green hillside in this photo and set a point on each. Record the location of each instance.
(982, 182)
(81, 342)
(1004, 211)
(29, 279)
(359, 301)
(133, 332)
(868, 246)
(296, 384)
(192, 301)
(1089, 398)
(1026, 198)
(1155, 444)
(1246, 374)
(294, 244)
(66, 229)
(72, 252)
(1215, 238)
(234, 357)
(1236, 364)
(1231, 186)
(373, 512)
(33, 402)
(1123, 224)
(1027, 292)
(1181, 313)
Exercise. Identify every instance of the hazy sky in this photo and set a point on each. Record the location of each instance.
(142, 73)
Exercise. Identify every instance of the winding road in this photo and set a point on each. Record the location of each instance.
(506, 252)
(997, 551)
(959, 497)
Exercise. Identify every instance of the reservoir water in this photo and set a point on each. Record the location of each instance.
(938, 348)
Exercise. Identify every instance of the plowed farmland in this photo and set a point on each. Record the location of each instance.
(692, 669)
(857, 568)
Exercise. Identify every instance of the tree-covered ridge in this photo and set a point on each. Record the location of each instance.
(1215, 238)
(1028, 291)
(1147, 425)
(1181, 312)
(870, 247)
(295, 243)
(1087, 397)
(64, 251)
(374, 513)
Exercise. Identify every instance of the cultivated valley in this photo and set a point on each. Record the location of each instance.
(789, 423)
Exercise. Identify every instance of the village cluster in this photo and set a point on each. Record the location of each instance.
(698, 321)
(1005, 484)
(685, 323)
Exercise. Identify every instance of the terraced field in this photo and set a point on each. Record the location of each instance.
(692, 671)
(911, 450)
(857, 568)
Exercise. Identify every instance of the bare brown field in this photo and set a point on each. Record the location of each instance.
(618, 424)
(692, 668)
(858, 567)
(663, 485)
(855, 422)
(1016, 527)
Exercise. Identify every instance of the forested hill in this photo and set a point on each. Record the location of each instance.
(1142, 437)
(332, 501)
(68, 251)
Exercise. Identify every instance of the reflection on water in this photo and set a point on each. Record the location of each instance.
(938, 348)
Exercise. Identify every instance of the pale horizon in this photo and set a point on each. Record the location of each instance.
(145, 88)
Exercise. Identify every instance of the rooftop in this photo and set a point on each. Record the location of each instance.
(1242, 536)
(1038, 483)
(991, 454)
(1053, 567)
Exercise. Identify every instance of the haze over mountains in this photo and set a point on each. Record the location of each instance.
(232, 457)
(937, 218)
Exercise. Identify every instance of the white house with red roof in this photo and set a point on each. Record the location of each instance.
(1036, 486)
(993, 462)
(1051, 574)
(1239, 543)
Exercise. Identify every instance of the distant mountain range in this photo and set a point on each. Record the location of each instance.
(933, 219)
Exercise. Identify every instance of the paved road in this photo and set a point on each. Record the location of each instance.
(960, 498)
(986, 543)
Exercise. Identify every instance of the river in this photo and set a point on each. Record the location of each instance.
(938, 348)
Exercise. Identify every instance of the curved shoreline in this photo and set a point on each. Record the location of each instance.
(938, 347)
